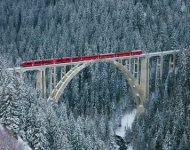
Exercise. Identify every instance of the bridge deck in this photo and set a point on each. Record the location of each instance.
(148, 55)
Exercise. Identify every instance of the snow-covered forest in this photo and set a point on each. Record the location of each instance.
(91, 107)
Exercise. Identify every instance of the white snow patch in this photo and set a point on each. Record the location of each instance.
(153, 95)
(145, 14)
(130, 148)
(23, 144)
(183, 7)
(20, 144)
(1, 127)
(176, 70)
(126, 122)
(117, 147)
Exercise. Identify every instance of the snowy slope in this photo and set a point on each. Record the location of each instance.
(7, 141)
(126, 122)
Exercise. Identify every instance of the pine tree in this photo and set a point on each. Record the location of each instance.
(167, 141)
(10, 110)
(184, 144)
(111, 141)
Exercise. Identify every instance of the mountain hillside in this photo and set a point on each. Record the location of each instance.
(92, 105)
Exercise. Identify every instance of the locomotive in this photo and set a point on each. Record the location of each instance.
(78, 58)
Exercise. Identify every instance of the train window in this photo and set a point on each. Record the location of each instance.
(37, 63)
(46, 61)
(76, 59)
(68, 59)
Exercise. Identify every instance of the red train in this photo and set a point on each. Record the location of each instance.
(78, 58)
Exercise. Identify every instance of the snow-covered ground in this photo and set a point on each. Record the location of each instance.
(130, 148)
(23, 144)
(1, 127)
(126, 122)
(8, 141)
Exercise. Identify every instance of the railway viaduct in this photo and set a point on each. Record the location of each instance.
(135, 68)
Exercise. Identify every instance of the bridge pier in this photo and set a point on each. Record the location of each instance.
(41, 82)
(144, 84)
(20, 75)
(144, 78)
(136, 69)
(172, 62)
(159, 69)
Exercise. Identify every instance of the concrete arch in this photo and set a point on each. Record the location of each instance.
(57, 92)
(136, 88)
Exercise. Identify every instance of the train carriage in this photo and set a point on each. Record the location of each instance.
(47, 61)
(58, 61)
(75, 59)
(104, 56)
(136, 52)
(85, 58)
(37, 62)
(67, 60)
(27, 64)
(122, 54)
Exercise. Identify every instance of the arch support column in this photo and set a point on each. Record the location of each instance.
(159, 67)
(128, 64)
(136, 69)
(144, 77)
(63, 71)
(172, 62)
(52, 78)
(20, 75)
